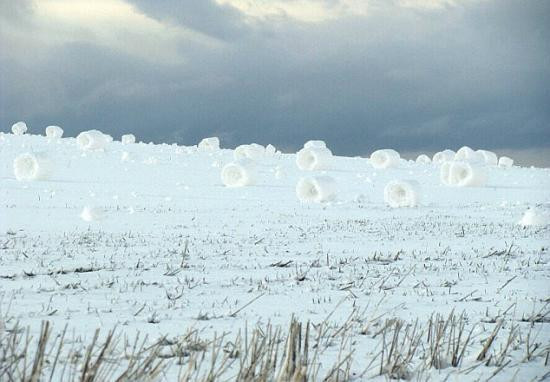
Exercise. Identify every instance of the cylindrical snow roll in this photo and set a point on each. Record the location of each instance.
(92, 140)
(128, 139)
(209, 144)
(462, 174)
(252, 151)
(423, 159)
(316, 189)
(489, 157)
(91, 214)
(34, 166)
(505, 162)
(466, 154)
(385, 158)
(402, 193)
(314, 158)
(238, 174)
(270, 151)
(19, 128)
(315, 144)
(443, 156)
(54, 132)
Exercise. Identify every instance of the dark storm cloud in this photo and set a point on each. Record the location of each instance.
(411, 79)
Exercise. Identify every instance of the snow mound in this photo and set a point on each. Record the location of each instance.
(423, 159)
(91, 214)
(93, 140)
(19, 128)
(34, 166)
(402, 193)
(128, 139)
(209, 144)
(238, 174)
(54, 132)
(316, 189)
(384, 158)
(443, 156)
(315, 144)
(533, 217)
(462, 174)
(505, 162)
(314, 158)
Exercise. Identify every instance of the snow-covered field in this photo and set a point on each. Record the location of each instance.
(146, 238)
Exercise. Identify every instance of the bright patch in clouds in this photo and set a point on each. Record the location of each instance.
(116, 25)
(307, 11)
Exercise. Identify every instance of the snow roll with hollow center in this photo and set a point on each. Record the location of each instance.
(91, 214)
(54, 132)
(462, 174)
(93, 140)
(466, 154)
(489, 157)
(209, 144)
(252, 151)
(443, 156)
(34, 166)
(314, 158)
(317, 189)
(238, 174)
(423, 159)
(128, 139)
(385, 158)
(402, 193)
(19, 128)
(315, 144)
(505, 162)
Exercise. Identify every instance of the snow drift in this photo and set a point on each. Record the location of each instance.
(505, 162)
(314, 158)
(34, 166)
(316, 189)
(402, 193)
(93, 140)
(385, 158)
(462, 174)
(443, 156)
(423, 159)
(238, 174)
(127, 139)
(19, 128)
(54, 132)
(209, 144)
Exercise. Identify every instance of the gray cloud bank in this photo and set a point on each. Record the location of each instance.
(475, 73)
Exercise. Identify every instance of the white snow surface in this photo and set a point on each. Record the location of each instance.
(461, 250)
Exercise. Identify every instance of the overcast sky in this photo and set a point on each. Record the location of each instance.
(414, 75)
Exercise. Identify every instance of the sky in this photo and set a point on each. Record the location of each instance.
(413, 75)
